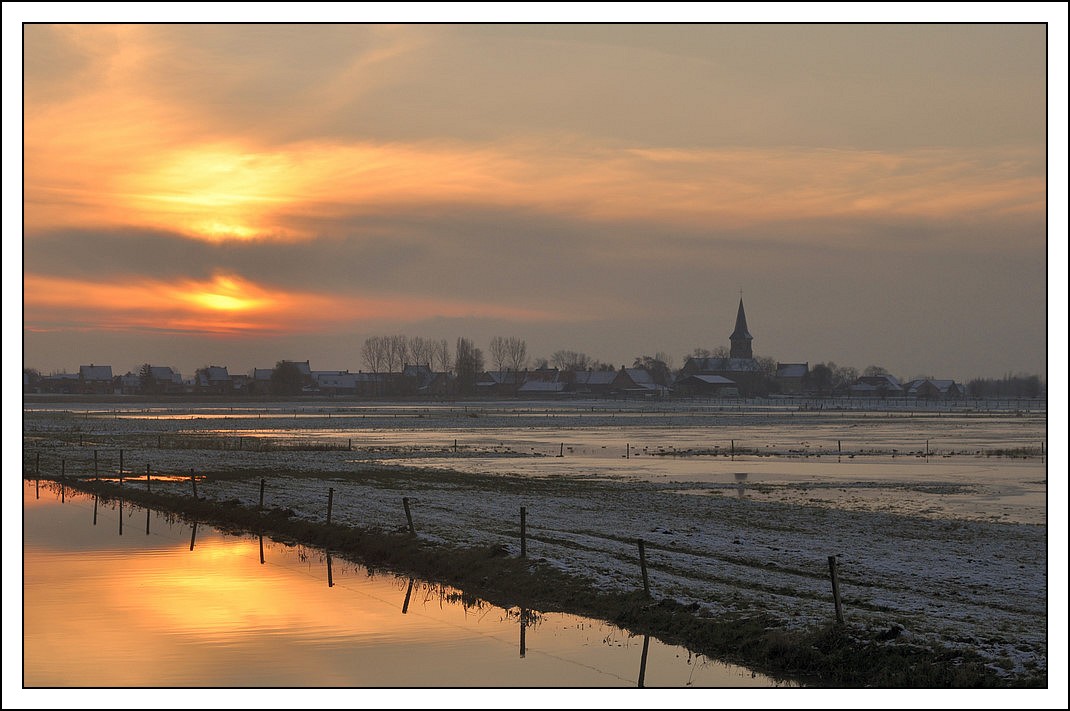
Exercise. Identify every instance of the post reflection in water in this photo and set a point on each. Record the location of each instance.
(408, 594)
(95, 498)
(642, 661)
(523, 630)
(120, 516)
(148, 513)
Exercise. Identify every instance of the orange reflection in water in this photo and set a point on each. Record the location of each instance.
(144, 610)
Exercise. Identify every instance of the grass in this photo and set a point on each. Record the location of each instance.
(837, 656)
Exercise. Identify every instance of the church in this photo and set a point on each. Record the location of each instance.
(738, 373)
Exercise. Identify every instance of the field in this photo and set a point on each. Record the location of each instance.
(937, 519)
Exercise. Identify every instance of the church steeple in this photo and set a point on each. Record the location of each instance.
(741, 338)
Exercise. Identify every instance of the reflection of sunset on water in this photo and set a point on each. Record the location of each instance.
(144, 610)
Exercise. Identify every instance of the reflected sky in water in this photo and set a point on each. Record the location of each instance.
(139, 608)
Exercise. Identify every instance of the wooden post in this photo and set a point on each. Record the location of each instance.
(839, 447)
(37, 466)
(628, 451)
(561, 453)
(63, 468)
(159, 442)
(408, 515)
(95, 497)
(96, 469)
(261, 506)
(193, 480)
(642, 567)
(350, 447)
(330, 571)
(261, 547)
(733, 448)
(147, 513)
(120, 515)
(926, 448)
(454, 446)
(523, 533)
(193, 536)
(148, 477)
(835, 589)
(330, 503)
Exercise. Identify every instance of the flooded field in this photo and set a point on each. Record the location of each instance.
(938, 518)
(120, 596)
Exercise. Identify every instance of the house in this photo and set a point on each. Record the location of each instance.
(96, 379)
(933, 389)
(706, 386)
(791, 377)
(590, 382)
(61, 383)
(881, 386)
(335, 382)
(213, 379)
(499, 382)
(637, 382)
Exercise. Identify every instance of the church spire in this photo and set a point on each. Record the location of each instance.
(741, 338)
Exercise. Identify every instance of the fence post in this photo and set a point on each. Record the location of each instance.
(193, 480)
(96, 470)
(642, 567)
(408, 515)
(523, 533)
(330, 503)
(148, 477)
(261, 505)
(835, 589)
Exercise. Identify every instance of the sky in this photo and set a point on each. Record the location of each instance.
(238, 194)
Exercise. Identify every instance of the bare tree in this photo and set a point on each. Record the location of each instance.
(374, 353)
(420, 350)
(516, 353)
(509, 353)
(440, 354)
(571, 360)
(397, 352)
(498, 352)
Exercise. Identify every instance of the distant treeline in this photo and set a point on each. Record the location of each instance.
(1008, 386)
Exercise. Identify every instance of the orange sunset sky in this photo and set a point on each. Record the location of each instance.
(238, 194)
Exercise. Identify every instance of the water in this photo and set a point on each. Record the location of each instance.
(119, 596)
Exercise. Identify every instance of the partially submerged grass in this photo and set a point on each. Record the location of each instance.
(832, 655)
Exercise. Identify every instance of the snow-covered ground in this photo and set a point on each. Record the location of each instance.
(930, 534)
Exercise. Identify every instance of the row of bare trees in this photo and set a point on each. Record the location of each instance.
(389, 354)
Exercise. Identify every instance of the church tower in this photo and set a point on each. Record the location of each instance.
(741, 338)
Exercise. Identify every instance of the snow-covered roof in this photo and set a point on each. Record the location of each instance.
(792, 370)
(594, 377)
(712, 379)
(640, 376)
(95, 372)
(541, 386)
